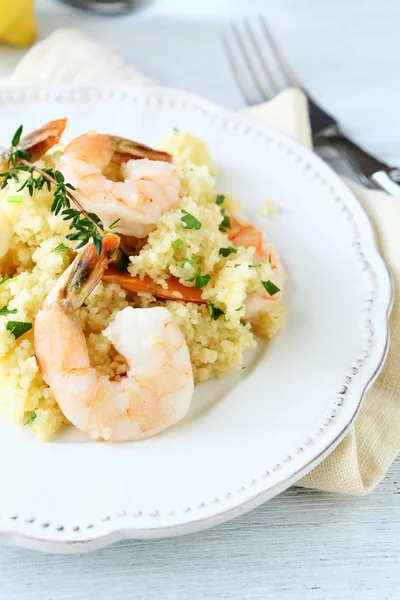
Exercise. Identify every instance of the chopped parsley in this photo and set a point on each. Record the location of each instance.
(6, 311)
(177, 243)
(5, 278)
(122, 264)
(227, 251)
(31, 419)
(271, 288)
(18, 328)
(175, 129)
(243, 322)
(220, 199)
(14, 199)
(255, 266)
(225, 223)
(240, 308)
(60, 248)
(114, 224)
(189, 221)
(191, 261)
(151, 200)
(215, 313)
(270, 259)
(199, 279)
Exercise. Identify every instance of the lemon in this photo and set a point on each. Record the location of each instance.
(17, 22)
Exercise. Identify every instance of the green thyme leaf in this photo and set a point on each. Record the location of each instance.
(227, 251)
(59, 177)
(191, 261)
(271, 288)
(31, 419)
(17, 136)
(18, 328)
(60, 248)
(200, 280)
(189, 221)
(220, 199)
(215, 313)
(177, 243)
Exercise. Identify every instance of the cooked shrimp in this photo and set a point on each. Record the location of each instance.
(150, 185)
(38, 142)
(174, 291)
(158, 388)
(241, 233)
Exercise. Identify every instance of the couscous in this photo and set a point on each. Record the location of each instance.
(203, 243)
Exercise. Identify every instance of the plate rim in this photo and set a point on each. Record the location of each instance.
(23, 538)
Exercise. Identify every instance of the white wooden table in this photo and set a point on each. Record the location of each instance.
(302, 544)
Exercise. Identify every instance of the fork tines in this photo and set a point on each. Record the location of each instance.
(248, 45)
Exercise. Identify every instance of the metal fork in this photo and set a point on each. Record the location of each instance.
(247, 49)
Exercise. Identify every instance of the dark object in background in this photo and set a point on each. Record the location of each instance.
(103, 7)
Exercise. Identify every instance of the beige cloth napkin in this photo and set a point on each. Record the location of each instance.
(360, 461)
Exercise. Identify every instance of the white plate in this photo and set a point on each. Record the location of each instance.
(251, 435)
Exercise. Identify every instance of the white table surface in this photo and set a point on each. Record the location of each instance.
(302, 544)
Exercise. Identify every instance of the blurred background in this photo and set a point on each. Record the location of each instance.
(346, 52)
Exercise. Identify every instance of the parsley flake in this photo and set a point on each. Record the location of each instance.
(215, 313)
(270, 259)
(240, 308)
(220, 199)
(6, 311)
(225, 223)
(30, 419)
(114, 224)
(175, 129)
(177, 243)
(5, 278)
(14, 199)
(271, 288)
(255, 266)
(60, 248)
(189, 221)
(191, 261)
(227, 251)
(18, 328)
(199, 279)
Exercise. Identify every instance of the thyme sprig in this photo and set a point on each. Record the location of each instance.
(86, 225)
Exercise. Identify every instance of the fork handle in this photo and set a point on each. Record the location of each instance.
(371, 169)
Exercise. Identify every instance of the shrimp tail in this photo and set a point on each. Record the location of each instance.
(84, 273)
(44, 138)
(37, 142)
(174, 291)
(128, 150)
